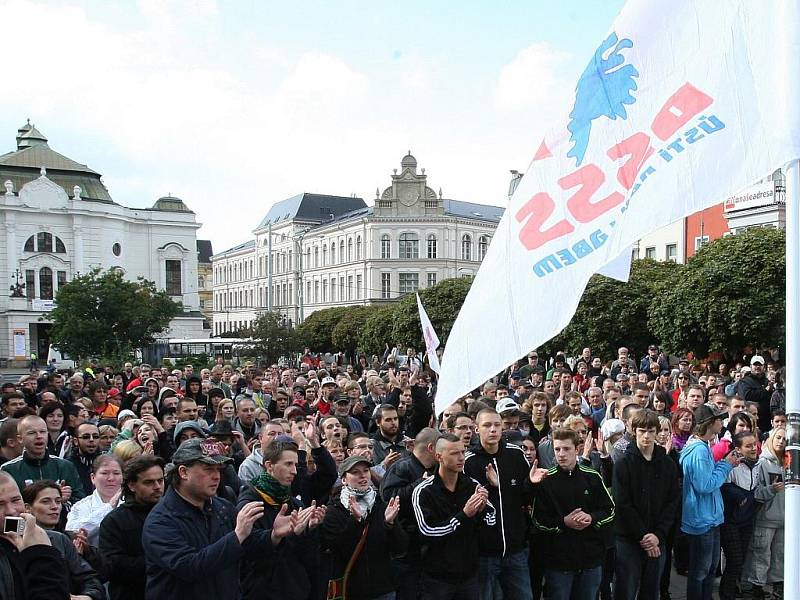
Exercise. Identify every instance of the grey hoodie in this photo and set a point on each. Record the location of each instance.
(252, 466)
(767, 470)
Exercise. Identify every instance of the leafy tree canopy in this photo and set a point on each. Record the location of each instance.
(102, 314)
(316, 330)
(731, 294)
(273, 338)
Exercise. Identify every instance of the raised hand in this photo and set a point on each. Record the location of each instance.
(303, 518)
(355, 509)
(491, 476)
(250, 513)
(283, 524)
(318, 517)
(392, 509)
(537, 475)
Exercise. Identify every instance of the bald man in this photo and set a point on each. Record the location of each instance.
(35, 464)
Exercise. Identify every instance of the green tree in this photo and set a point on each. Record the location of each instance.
(102, 314)
(613, 313)
(273, 338)
(442, 303)
(730, 294)
(377, 330)
(345, 334)
(315, 331)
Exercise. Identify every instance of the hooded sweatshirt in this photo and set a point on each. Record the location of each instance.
(702, 480)
(767, 471)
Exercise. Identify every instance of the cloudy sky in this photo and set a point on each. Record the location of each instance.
(235, 105)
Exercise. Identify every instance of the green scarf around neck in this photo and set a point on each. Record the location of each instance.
(271, 490)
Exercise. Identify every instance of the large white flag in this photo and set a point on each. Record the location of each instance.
(683, 104)
(431, 339)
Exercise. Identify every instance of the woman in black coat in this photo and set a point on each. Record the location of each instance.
(357, 507)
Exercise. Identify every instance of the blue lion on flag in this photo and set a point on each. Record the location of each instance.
(603, 90)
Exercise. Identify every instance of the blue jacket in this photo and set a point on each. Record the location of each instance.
(192, 553)
(702, 481)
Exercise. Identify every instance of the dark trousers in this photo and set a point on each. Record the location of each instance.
(407, 574)
(435, 589)
(703, 563)
(734, 540)
(536, 569)
(636, 573)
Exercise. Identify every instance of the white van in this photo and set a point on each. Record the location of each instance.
(61, 362)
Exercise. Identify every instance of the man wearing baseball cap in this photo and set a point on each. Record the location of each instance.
(702, 500)
(191, 532)
(755, 387)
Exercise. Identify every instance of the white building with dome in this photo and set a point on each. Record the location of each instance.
(314, 251)
(59, 221)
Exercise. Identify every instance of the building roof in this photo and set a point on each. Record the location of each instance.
(171, 204)
(204, 251)
(248, 245)
(314, 208)
(32, 154)
(472, 210)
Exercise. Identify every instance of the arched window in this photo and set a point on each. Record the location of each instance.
(483, 246)
(349, 249)
(290, 260)
(409, 245)
(466, 247)
(431, 246)
(341, 251)
(308, 258)
(44, 241)
(324, 255)
(29, 244)
(60, 248)
(386, 246)
(358, 248)
(46, 283)
(333, 253)
(316, 256)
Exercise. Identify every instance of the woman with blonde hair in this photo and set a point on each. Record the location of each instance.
(126, 450)
(764, 563)
(226, 410)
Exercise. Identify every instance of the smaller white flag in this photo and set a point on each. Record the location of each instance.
(431, 339)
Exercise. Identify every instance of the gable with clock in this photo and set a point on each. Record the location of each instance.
(409, 194)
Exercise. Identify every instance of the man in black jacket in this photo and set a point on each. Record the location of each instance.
(572, 509)
(400, 480)
(30, 568)
(85, 450)
(503, 470)
(291, 570)
(121, 529)
(451, 511)
(647, 497)
(755, 387)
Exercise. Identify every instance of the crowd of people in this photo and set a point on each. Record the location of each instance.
(573, 478)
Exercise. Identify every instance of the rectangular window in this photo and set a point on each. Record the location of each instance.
(359, 284)
(431, 246)
(431, 279)
(44, 242)
(409, 282)
(341, 289)
(30, 283)
(650, 252)
(316, 292)
(173, 280)
(61, 276)
(324, 290)
(386, 285)
(349, 287)
(635, 254)
(672, 252)
(333, 290)
(386, 247)
(700, 241)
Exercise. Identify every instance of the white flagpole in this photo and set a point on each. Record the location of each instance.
(791, 563)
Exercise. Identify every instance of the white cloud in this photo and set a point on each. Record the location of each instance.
(533, 82)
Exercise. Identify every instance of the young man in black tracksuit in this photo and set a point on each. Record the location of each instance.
(504, 471)
(572, 508)
(451, 511)
(400, 480)
(647, 498)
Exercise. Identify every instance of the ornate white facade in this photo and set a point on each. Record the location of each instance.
(333, 251)
(59, 221)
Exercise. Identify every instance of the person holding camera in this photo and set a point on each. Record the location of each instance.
(30, 568)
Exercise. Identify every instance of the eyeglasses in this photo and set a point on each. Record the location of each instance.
(90, 436)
